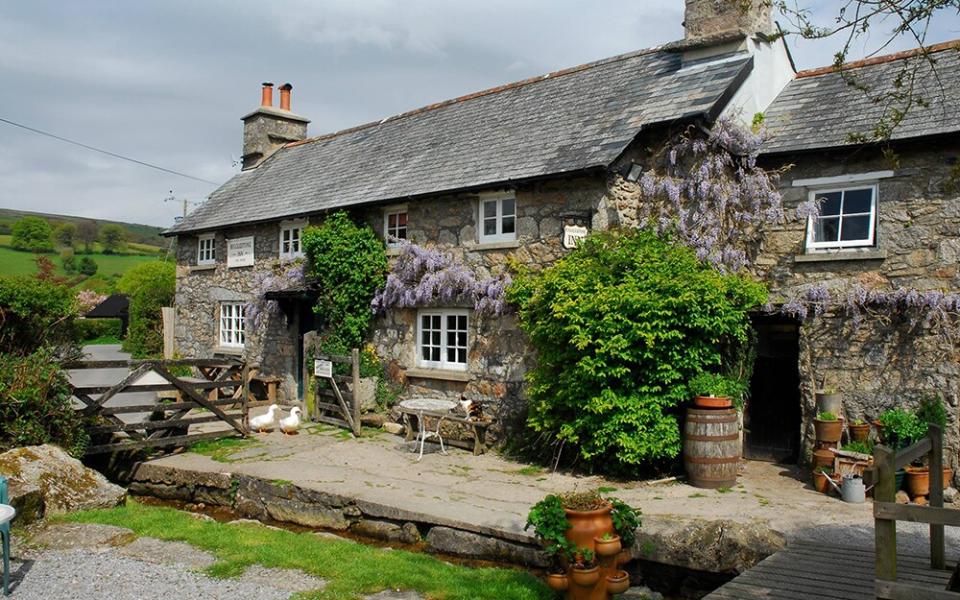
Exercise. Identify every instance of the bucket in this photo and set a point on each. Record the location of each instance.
(711, 447)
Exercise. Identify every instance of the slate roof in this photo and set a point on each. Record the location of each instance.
(819, 109)
(566, 121)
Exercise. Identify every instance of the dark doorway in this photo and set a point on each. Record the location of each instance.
(772, 416)
(306, 321)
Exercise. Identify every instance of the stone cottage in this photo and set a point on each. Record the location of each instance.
(516, 172)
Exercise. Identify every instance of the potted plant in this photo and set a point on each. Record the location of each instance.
(618, 583)
(583, 568)
(626, 520)
(827, 427)
(909, 429)
(820, 477)
(829, 400)
(558, 581)
(859, 430)
(716, 391)
(822, 457)
(607, 544)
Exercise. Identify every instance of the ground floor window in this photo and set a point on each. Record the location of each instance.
(442, 339)
(232, 324)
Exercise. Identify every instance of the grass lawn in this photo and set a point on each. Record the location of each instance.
(352, 569)
(103, 340)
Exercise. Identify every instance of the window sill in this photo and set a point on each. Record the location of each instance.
(228, 350)
(203, 267)
(442, 374)
(394, 250)
(838, 255)
(493, 245)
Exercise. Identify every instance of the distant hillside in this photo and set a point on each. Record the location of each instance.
(140, 234)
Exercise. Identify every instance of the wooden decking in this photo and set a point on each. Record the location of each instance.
(803, 571)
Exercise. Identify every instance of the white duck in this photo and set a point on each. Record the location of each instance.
(292, 423)
(265, 421)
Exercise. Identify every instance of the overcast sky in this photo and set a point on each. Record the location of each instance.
(167, 82)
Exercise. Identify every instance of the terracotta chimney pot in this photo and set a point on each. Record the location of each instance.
(285, 96)
(266, 98)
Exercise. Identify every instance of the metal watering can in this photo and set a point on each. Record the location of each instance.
(851, 489)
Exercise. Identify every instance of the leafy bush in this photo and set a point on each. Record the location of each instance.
(901, 428)
(87, 266)
(91, 329)
(719, 386)
(35, 405)
(113, 237)
(620, 326)
(150, 286)
(34, 313)
(349, 263)
(68, 260)
(32, 234)
(932, 411)
(861, 447)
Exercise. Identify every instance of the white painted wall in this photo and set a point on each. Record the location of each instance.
(771, 73)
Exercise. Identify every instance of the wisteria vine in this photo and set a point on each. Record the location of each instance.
(933, 309)
(283, 277)
(427, 277)
(709, 193)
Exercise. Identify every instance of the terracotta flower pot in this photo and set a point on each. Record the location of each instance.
(828, 431)
(820, 482)
(585, 577)
(618, 583)
(712, 402)
(918, 481)
(859, 433)
(879, 427)
(587, 525)
(822, 458)
(608, 547)
(624, 557)
(947, 477)
(558, 581)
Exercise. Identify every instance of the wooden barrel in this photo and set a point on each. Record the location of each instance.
(711, 447)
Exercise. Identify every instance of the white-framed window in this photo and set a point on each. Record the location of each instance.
(847, 218)
(442, 337)
(232, 324)
(207, 249)
(498, 218)
(394, 224)
(290, 234)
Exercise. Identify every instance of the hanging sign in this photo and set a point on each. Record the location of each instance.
(322, 368)
(240, 252)
(572, 234)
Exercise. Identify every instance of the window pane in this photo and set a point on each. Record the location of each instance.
(435, 339)
(451, 338)
(436, 321)
(392, 220)
(489, 209)
(507, 226)
(462, 322)
(435, 354)
(826, 230)
(462, 338)
(401, 233)
(451, 355)
(830, 203)
(508, 207)
(856, 228)
(451, 321)
(490, 227)
(856, 201)
(462, 356)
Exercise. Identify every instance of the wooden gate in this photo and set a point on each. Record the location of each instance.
(331, 401)
(222, 394)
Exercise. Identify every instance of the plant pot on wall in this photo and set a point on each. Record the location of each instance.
(618, 582)
(918, 481)
(828, 431)
(607, 547)
(830, 402)
(712, 402)
(859, 432)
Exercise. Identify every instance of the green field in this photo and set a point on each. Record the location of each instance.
(15, 262)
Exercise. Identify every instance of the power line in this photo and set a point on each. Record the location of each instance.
(107, 152)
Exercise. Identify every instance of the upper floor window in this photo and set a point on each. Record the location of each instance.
(290, 234)
(207, 250)
(442, 339)
(232, 324)
(395, 225)
(847, 218)
(498, 218)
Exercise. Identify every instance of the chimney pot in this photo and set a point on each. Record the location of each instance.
(266, 98)
(285, 96)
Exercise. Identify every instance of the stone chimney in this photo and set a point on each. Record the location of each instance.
(710, 21)
(266, 129)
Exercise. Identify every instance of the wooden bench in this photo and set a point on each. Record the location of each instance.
(477, 428)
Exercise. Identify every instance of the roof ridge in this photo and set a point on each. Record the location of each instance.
(480, 94)
(876, 60)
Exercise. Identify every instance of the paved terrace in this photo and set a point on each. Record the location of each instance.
(490, 495)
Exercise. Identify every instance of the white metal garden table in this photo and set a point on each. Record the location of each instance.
(432, 408)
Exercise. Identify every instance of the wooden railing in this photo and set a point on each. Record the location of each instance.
(887, 512)
(329, 402)
(223, 391)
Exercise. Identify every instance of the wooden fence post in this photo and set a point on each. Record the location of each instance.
(937, 550)
(885, 529)
(355, 363)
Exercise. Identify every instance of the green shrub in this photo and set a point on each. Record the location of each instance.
(87, 266)
(620, 325)
(68, 260)
(901, 428)
(35, 405)
(150, 286)
(32, 234)
(826, 416)
(861, 447)
(932, 411)
(349, 263)
(91, 329)
(34, 313)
